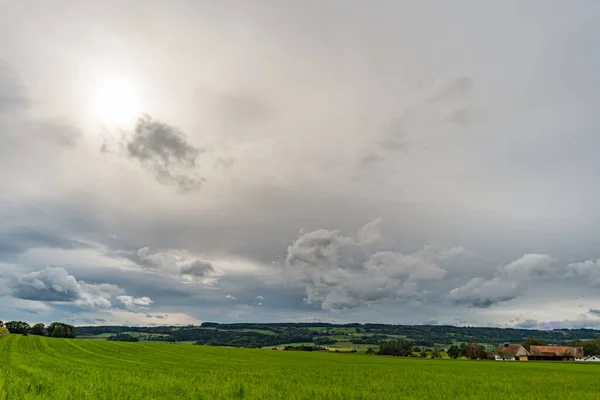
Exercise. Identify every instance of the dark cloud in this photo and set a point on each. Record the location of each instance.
(17, 240)
(163, 150)
(594, 311)
(589, 270)
(178, 263)
(198, 269)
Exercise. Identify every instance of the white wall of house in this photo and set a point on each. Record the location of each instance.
(498, 358)
(593, 359)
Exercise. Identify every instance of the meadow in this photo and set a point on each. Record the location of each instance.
(33, 367)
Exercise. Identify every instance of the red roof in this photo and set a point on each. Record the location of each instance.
(553, 351)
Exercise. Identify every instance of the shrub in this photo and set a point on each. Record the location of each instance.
(4, 332)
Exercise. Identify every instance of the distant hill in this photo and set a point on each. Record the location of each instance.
(274, 334)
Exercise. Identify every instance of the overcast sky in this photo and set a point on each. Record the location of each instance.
(340, 161)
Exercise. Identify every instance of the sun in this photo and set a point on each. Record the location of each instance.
(116, 101)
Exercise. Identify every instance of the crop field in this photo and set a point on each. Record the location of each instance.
(34, 367)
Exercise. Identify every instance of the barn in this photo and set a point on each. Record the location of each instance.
(511, 352)
(516, 352)
(555, 353)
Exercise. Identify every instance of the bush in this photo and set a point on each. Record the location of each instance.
(4, 332)
(124, 337)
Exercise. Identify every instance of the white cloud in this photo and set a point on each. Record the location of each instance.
(56, 285)
(339, 272)
(180, 263)
(133, 302)
(508, 283)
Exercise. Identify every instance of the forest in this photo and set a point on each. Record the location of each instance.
(265, 334)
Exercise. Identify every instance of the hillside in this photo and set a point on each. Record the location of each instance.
(274, 334)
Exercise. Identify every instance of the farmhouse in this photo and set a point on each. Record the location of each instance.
(555, 353)
(511, 352)
(516, 352)
(592, 359)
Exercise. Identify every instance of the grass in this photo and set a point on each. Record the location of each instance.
(41, 368)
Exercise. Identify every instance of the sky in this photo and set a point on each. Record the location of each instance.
(399, 162)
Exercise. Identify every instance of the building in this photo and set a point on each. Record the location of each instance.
(511, 352)
(516, 352)
(592, 359)
(555, 353)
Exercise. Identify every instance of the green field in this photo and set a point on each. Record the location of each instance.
(34, 367)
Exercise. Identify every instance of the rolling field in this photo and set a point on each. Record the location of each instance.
(41, 368)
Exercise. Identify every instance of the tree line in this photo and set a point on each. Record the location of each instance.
(403, 348)
(590, 347)
(55, 329)
(420, 335)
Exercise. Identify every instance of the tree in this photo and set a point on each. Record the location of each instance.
(370, 351)
(124, 337)
(454, 352)
(475, 351)
(1, 324)
(423, 354)
(527, 343)
(60, 330)
(395, 348)
(38, 329)
(590, 347)
(18, 327)
(435, 353)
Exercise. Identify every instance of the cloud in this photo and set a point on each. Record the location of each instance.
(242, 110)
(419, 126)
(151, 316)
(527, 324)
(133, 302)
(230, 297)
(180, 263)
(17, 240)
(460, 116)
(480, 292)
(451, 88)
(197, 269)
(56, 131)
(594, 311)
(590, 270)
(506, 285)
(341, 272)
(164, 151)
(56, 285)
(12, 93)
